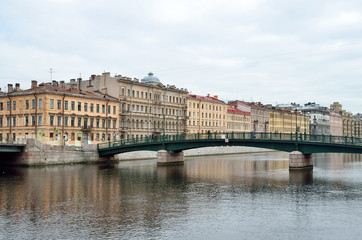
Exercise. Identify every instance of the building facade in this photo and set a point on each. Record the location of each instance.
(206, 114)
(357, 125)
(237, 120)
(319, 118)
(284, 120)
(259, 114)
(56, 115)
(147, 107)
(336, 121)
(347, 119)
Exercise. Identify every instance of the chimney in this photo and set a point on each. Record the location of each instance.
(216, 97)
(54, 83)
(34, 83)
(72, 81)
(208, 94)
(62, 84)
(10, 88)
(93, 77)
(17, 87)
(79, 81)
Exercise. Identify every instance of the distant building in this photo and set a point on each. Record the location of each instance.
(206, 114)
(148, 108)
(357, 125)
(259, 114)
(57, 115)
(283, 119)
(238, 120)
(319, 118)
(336, 122)
(347, 119)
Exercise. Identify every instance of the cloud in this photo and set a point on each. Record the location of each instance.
(277, 51)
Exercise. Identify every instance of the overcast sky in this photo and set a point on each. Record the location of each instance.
(269, 51)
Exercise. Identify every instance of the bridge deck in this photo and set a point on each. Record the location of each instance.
(305, 143)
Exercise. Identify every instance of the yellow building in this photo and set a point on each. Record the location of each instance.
(206, 114)
(287, 121)
(56, 115)
(238, 120)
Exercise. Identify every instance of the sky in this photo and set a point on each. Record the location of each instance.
(269, 51)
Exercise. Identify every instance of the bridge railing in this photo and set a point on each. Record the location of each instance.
(295, 137)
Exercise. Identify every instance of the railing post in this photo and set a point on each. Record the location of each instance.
(323, 138)
(330, 138)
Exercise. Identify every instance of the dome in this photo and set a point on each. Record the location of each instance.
(150, 79)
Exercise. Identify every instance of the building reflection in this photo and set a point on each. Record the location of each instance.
(140, 192)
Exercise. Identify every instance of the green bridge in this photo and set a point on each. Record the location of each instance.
(305, 144)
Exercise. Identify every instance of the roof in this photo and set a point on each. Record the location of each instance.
(47, 88)
(235, 110)
(151, 79)
(205, 98)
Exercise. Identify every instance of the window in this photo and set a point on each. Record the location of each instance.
(85, 122)
(91, 122)
(91, 107)
(66, 105)
(114, 123)
(85, 107)
(122, 91)
(109, 123)
(26, 104)
(59, 104)
(103, 108)
(8, 121)
(97, 123)
(73, 105)
(8, 106)
(72, 121)
(79, 121)
(1, 122)
(66, 121)
(14, 105)
(33, 120)
(51, 120)
(114, 109)
(109, 109)
(59, 120)
(14, 121)
(26, 121)
(97, 108)
(103, 123)
(33, 103)
(40, 103)
(51, 104)
(79, 106)
(40, 120)
(132, 93)
(138, 94)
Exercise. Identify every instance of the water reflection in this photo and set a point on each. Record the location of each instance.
(140, 200)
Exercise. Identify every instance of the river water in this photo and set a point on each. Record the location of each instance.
(246, 196)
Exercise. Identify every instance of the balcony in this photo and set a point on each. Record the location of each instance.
(86, 128)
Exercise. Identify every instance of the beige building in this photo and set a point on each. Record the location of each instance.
(57, 115)
(206, 114)
(336, 121)
(147, 107)
(347, 119)
(259, 114)
(238, 120)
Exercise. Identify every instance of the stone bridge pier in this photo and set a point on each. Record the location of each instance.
(298, 160)
(169, 158)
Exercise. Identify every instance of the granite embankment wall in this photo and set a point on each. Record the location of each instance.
(37, 153)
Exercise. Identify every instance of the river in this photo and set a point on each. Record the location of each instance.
(245, 196)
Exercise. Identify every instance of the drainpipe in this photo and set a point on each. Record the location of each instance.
(63, 142)
(11, 137)
(36, 116)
